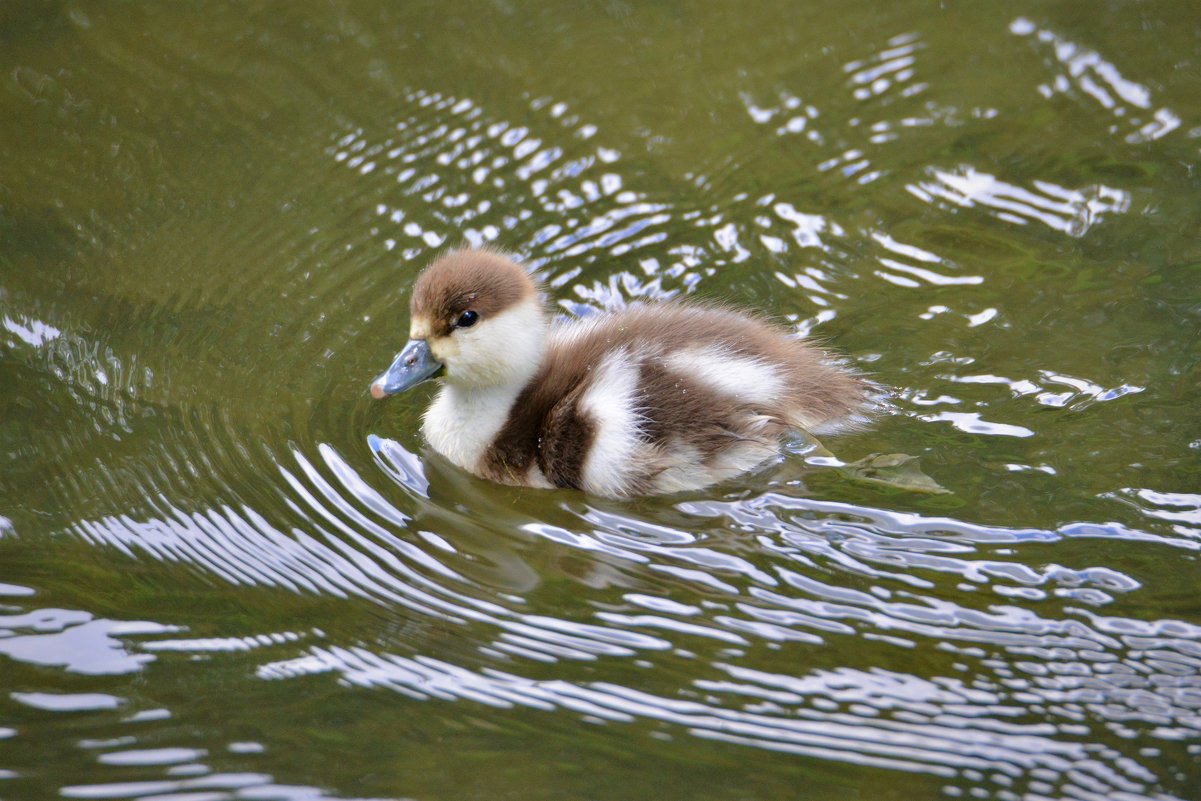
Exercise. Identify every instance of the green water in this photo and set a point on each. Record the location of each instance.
(226, 574)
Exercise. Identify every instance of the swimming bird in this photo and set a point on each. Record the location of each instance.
(651, 399)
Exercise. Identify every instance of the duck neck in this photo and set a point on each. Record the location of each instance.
(463, 421)
(493, 365)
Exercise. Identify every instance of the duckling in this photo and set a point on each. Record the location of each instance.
(652, 399)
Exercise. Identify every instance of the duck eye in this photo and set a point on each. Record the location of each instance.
(466, 319)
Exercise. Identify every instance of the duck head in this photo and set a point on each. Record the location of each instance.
(475, 320)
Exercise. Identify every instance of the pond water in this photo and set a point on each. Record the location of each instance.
(227, 574)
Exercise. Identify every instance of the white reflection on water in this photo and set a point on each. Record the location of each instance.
(211, 787)
(1182, 509)
(942, 726)
(973, 423)
(458, 176)
(1034, 679)
(1087, 73)
(1069, 211)
(1029, 674)
(31, 332)
(912, 271)
(68, 702)
(890, 69)
(75, 641)
(1046, 389)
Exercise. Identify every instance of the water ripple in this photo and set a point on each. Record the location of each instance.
(458, 170)
(1069, 211)
(1086, 74)
(207, 450)
(891, 69)
(1020, 669)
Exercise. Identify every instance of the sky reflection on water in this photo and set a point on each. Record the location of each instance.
(228, 575)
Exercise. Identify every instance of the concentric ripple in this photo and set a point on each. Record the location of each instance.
(229, 575)
(744, 578)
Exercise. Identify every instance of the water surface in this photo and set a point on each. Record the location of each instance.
(226, 574)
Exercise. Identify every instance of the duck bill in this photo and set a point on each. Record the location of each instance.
(411, 366)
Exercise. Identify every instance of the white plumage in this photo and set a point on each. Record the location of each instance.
(652, 399)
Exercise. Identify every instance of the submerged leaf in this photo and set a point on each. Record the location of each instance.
(897, 470)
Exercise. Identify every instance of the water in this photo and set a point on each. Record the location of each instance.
(225, 573)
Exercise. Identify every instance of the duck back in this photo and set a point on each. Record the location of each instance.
(665, 398)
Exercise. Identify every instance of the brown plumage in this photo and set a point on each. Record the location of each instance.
(650, 399)
(482, 280)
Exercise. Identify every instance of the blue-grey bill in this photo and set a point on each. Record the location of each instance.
(411, 366)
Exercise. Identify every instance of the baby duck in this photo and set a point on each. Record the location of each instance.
(648, 400)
